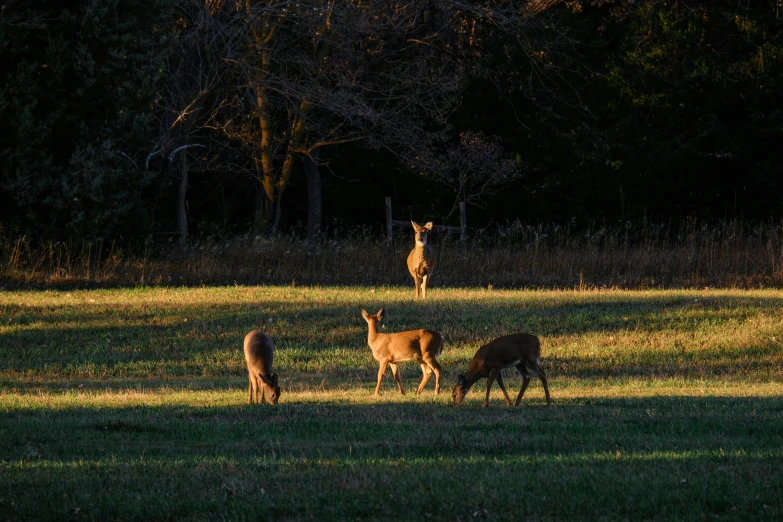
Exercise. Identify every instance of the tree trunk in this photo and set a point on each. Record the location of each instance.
(314, 198)
(182, 211)
(259, 219)
(313, 175)
(266, 205)
(275, 223)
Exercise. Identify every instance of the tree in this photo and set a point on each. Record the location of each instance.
(191, 92)
(315, 74)
(693, 100)
(476, 167)
(76, 85)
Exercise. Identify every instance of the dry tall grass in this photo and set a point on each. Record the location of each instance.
(695, 255)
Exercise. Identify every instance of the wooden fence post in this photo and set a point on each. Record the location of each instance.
(388, 220)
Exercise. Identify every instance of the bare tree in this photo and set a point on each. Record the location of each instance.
(475, 167)
(196, 70)
(316, 73)
(285, 79)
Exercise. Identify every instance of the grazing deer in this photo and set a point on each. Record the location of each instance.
(421, 260)
(389, 349)
(522, 351)
(259, 351)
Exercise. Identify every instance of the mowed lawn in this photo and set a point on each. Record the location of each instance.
(131, 405)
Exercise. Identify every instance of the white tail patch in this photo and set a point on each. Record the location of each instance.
(533, 372)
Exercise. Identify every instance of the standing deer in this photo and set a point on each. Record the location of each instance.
(389, 349)
(521, 350)
(421, 260)
(259, 352)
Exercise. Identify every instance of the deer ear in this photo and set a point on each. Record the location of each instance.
(415, 225)
(273, 378)
(266, 379)
(365, 314)
(428, 226)
(380, 314)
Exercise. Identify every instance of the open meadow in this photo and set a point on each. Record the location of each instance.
(130, 404)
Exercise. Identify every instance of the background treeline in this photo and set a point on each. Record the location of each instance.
(177, 118)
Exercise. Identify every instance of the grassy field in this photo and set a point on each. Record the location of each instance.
(130, 404)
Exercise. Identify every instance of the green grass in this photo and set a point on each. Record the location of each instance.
(130, 404)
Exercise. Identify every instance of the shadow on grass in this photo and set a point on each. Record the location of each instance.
(424, 428)
(655, 458)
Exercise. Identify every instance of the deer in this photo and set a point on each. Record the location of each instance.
(259, 352)
(520, 350)
(421, 260)
(390, 349)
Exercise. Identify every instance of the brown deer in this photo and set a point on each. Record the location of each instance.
(421, 260)
(393, 348)
(259, 352)
(521, 350)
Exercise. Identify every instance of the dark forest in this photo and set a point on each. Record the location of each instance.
(197, 118)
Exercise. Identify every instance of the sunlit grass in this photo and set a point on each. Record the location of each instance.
(123, 394)
(171, 333)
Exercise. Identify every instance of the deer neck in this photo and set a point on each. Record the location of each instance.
(472, 375)
(372, 333)
(470, 379)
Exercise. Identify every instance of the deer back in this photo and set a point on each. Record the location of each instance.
(404, 346)
(505, 351)
(259, 352)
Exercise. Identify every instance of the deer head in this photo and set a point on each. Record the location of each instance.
(460, 390)
(271, 388)
(377, 318)
(421, 233)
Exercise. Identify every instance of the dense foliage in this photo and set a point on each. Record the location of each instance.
(614, 111)
(76, 85)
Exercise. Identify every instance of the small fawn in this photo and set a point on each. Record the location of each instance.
(259, 352)
(521, 350)
(421, 260)
(389, 349)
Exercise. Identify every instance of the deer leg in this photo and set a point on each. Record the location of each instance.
(432, 362)
(503, 387)
(427, 373)
(417, 285)
(263, 391)
(424, 286)
(542, 376)
(490, 379)
(396, 372)
(381, 371)
(523, 372)
(250, 388)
